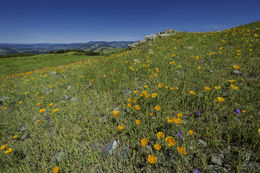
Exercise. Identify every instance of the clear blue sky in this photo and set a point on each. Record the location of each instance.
(70, 21)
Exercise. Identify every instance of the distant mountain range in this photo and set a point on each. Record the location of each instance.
(38, 48)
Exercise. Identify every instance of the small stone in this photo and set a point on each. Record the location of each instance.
(237, 72)
(22, 128)
(126, 92)
(216, 169)
(123, 154)
(53, 73)
(217, 159)
(110, 147)
(24, 136)
(74, 99)
(2, 99)
(69, 87)
(58, 156)
(189, 47)
(136, 60)
(65, 97)
(202, 143)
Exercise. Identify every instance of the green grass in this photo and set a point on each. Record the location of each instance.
(23, 64)
(80, 130)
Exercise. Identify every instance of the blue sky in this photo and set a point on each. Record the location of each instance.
(71, 21)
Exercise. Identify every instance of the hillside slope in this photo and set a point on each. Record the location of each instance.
(183, 103)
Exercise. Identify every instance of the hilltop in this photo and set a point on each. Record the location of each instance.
(186, 102)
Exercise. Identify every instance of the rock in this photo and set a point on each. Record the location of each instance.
(74, 99)
(150, 37)
(58, 156)
(216, 169)
(104, 118)
(22, 128)
(217, 159)
(202, 143)
(69, 87)
(247, 156)
(53, 73)
(252, 166)
(65, 97)
(136, 60)
(2, 99)
(237, 72)
(189, 47)
(24, 136)
(123, 154)
(126, 92)
(110, 147)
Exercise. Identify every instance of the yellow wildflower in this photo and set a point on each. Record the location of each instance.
(38, 104)
(170, 141)
(179, 115)
(137, 107)
(129, 100)
(231, 81)
(152, 159)
(236, 67)
(170, 120)
(146, 86)
(135, 91)
(38, 121)
(20, 102)
(129, 105)
(42, 110)
(56, 169)
(207, 88)
(8, 151)
(160, 85)
(55, 110)
(191, 132)
(220, 99)
(160, 135)
(134, 101)
(178, 121)
(198, 68)
(157, 147)
(5, 108)
(234, 87)
(121, 127)
(259, 131)
(150, 114)
(192, 93)
(244, 111)
(51, 104)
(217, 87)
(154, 95)
(115, 113)
(171, 88)
(158, 108)
(3, 147)
(144, 142)
(137, 122)
(15, 136)
(181, 150)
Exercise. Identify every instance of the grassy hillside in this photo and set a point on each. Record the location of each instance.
(185, 103)
(27, 63)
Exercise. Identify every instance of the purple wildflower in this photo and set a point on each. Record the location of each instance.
(199, 112)
(202, 61)
(237, 111)
(179, 134)
(52, 125)
(196, 170)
